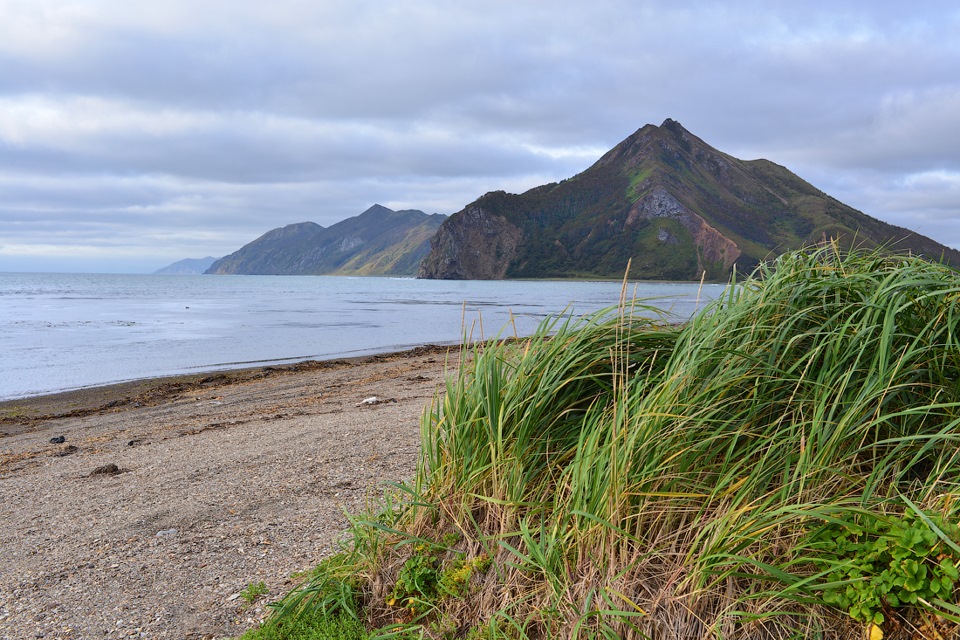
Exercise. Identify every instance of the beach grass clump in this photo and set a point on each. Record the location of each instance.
(785, 465)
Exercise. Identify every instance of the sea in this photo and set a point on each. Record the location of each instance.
(61, 332)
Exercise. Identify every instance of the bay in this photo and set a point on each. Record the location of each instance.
(67, 331)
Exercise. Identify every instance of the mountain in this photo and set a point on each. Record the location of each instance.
(664, 199)
(379, 241)
(187, 267)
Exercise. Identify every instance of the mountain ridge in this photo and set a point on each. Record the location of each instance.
(187, 266)
(666, 201)
(378, 241)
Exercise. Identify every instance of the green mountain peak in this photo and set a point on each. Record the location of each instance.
(667, 202)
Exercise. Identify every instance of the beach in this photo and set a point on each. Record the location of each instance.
(147, 509)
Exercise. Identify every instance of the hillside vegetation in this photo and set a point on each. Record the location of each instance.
(668, 202)
(786, 465)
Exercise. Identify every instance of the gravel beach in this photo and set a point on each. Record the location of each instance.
(146, 509)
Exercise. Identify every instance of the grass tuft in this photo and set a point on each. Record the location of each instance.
(786, 465)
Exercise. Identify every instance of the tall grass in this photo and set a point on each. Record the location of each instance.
(631, 479)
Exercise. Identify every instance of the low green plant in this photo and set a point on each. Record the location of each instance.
(331, 590)
(450, 539)
(426, 578)
(901, 560)
(417, 582)
(309, 626)
(254, 591)
(455, 579)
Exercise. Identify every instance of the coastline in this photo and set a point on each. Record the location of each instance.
(168, 497)
(20, 414)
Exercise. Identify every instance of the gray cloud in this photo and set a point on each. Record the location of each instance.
(176, 129)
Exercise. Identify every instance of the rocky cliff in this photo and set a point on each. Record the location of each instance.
(666, 201)
(478, 245)
(379, 241)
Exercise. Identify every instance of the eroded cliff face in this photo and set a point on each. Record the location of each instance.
(713, 248)
(475, 245)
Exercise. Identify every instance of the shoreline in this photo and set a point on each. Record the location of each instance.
(230, 368)
(145, 509)
(18, 415)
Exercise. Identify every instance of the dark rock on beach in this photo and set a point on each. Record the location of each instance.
(106, 470)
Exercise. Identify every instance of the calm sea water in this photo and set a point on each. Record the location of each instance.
(67, 331)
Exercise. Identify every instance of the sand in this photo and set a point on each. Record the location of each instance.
(167, 498)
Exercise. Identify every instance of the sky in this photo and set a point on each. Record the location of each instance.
(135, 134)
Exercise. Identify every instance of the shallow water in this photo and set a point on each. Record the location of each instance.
(66, 331)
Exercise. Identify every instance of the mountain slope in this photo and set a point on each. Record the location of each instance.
(663, 199)
(278, 252)
(379, 241)
(187, 267)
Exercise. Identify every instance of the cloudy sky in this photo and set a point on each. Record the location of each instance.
(136, 133)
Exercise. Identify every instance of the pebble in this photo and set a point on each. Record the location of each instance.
(58, 440)
(166, 532)
(372, 400)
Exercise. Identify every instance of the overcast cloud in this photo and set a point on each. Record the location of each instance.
(134, 134)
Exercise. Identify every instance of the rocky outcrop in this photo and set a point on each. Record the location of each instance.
(477, 246)
(713, 248)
